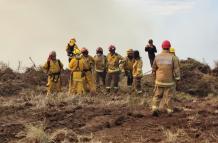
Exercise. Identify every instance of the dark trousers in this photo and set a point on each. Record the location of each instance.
(112, 77)
(151, 58)
(129, 77)
(137, 83)
(100, 77)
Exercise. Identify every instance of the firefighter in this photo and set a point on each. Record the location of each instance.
(70, 48)
(100, 66)
(128, 67)
(137, 72)
(53, 68)
(151, 49)
(166, 72)
(114, 62)
(172, 51)
(89, 77)
(77, 66)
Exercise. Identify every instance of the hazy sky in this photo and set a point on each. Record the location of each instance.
(32, 28)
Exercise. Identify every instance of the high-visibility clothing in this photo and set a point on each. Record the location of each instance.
(52, 66)
(72, 49)
(89, 60)
(100, 63)
(53, 69)
(77, 66)
(89, 77)
(128, 64)
(113, 62)
(166, 69)
(137, 68)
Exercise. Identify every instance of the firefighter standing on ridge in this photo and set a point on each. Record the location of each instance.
(100, 66)
(77, 66)
(70, 48)
(89, 77)
(137, 72)
(128, 67)
(114, 62)
(166, 72)
(53, 68)
(151, 49)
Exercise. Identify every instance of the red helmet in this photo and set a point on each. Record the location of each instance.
(83, 50)
(99, 49)
(112, 48)
(166, 44)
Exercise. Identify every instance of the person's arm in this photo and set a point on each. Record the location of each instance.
(45, 67)
(155, 49)
(176, 68)
(62, 66)
(154, 68)
(139, 68)
(147, 48)
(121, 63)
(71, 64)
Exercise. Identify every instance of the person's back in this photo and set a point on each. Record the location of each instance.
(165, 66)
(77, 66)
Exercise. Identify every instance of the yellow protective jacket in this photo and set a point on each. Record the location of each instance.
(89, 60)
(77, 64)
(53, 67)
(166, 69)
(114, 62)
(69, 50)
(128, 64)
(137, 68)
(100, 63)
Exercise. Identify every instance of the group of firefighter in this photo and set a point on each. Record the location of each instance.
(88, 74)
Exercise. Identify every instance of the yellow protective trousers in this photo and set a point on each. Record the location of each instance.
(53, 85)
(90, 82)
(76, 83)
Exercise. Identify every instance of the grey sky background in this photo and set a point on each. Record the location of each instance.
(32, 28)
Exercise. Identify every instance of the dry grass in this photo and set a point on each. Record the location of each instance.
(183, 96)
(175, 136)
(36, 134)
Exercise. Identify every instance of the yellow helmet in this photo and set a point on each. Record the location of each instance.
(129, 51)
(72, 41)
(76, 51)
(172, 50)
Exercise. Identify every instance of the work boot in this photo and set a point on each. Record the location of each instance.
(108, 89)
(156, 113)
(115, 89)
(139, 92)
(169, 111)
